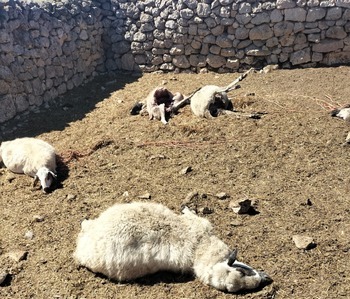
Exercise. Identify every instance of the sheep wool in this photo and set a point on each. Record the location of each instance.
(31, 156)
(132, 240)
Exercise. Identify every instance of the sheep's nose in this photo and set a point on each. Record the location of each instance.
(46, 189)
(265, 279)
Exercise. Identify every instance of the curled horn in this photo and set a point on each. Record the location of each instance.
(232, 257)
(54, 176)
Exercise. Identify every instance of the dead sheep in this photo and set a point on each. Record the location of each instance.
(160, 104)
(343, 113)
(128, 241)
(31, 156)
(210, 101)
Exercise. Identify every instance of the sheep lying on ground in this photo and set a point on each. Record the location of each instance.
(343, 113)
(128, 241)
(211, 100)
(30, 156)
(159, 104)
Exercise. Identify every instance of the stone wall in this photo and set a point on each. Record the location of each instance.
(47, 49)
(226, 35)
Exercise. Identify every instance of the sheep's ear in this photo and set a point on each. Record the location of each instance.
(232, 257)
(35, 181)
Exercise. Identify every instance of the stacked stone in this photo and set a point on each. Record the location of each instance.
(225, 35)
(46, 50)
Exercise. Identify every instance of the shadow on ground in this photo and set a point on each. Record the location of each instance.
(70, 107)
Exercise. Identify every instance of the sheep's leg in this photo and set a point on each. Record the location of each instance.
(182, 103)
(162, 113)
(240, 114)
(158, 112)
(179, 104)
(233, 85)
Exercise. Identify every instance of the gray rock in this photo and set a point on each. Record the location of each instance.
(240, 206)
(261, 32)
(328, 45)
(300, 57)
(18, 255)
(297, 14)
(315, 14)
(282, 4)
(186, 170)
(146, 195)
(304, 242)
(336, 32)
(29, 235)
(215, 61)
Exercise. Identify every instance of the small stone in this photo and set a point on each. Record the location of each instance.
(29, 235)
(18, 255)
(236, 222)
(3, 275)
(222, 195)
(159, 157)
(38, 218)
(189, 197)
(269, 68)
(186, 170)
(71, 196)
(242, 206)
(304, 242)
(145, 196)
(10, 177)
(206, 210)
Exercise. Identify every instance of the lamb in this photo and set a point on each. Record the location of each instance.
(128, 241)
(159, 104)
(31, 156)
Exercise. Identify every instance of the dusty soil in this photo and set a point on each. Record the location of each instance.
(292, 162)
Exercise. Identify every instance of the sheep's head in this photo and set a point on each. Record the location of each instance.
(162, 96)
(233, 276)
(46, 177)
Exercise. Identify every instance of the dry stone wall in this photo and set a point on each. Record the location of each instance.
(48, 48)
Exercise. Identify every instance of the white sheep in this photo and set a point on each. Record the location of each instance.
(132, 240)
(160, 104)
(344, 113)
(211, 100)
(31, 156)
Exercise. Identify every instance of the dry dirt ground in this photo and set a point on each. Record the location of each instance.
(292, 162)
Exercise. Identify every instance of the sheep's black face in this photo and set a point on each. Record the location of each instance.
(163, 96)
(221, 102)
